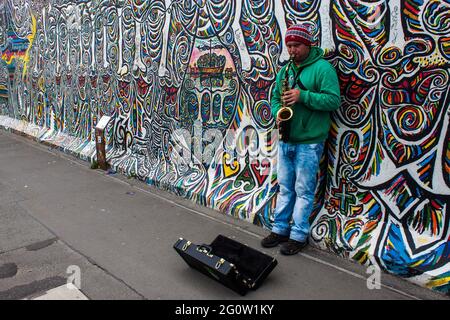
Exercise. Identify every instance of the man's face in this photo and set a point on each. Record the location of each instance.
(298, 50)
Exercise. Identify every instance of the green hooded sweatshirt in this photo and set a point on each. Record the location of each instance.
(311, 120)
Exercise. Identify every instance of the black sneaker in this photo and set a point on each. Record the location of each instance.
(273, 239)
(292, 247)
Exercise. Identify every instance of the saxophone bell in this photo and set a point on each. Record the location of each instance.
(285, 114)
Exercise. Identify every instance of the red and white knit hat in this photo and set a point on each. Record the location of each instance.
(299, 33)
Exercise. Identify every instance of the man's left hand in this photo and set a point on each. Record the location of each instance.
(291, 97)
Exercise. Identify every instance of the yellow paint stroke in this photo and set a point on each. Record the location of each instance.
(9, 59)
(418, 263)
(31, 40)
(438, 282)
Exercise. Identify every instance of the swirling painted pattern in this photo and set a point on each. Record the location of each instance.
(207, 69)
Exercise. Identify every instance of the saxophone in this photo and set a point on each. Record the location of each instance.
(285, 113)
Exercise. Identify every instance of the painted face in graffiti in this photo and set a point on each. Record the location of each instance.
(298, 51)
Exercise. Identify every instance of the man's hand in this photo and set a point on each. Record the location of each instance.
(289, 98)
(277, 120)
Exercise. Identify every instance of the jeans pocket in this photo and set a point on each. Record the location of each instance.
(318, 148)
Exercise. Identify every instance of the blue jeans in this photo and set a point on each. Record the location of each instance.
(298, 165)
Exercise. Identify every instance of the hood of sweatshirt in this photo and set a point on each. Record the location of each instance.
(314, 54)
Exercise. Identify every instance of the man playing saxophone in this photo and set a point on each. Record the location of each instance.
(312, 92)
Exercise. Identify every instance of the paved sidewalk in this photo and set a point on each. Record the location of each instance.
(56, 212)
(63, 292)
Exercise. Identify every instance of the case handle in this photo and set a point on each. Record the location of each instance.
(205, 249)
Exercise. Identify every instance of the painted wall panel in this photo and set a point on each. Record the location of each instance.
(188, 84)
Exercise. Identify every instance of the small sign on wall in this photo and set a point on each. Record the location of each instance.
(100, 141)
(101, 125)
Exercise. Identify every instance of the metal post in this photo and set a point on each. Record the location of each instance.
(100, 142)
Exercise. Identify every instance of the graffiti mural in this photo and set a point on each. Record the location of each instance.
(387, 187)
(187, 85)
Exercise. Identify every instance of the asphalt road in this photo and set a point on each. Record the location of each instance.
(57, 215)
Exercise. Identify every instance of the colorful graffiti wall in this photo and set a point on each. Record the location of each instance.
(187, 85)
